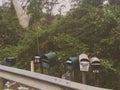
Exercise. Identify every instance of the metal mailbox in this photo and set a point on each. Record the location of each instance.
(37, 59)
(95, 64)
(84, 62)
(72, 63)
(10, 61)
(49, 59)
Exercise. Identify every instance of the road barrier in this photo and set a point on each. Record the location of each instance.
(41, 81)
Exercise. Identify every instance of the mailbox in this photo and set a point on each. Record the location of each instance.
(37, 59)
(10, 61)
(49, 60)
(84, 62)
(95, 64)
(72, 63)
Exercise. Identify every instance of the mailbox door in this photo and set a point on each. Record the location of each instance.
(95, 67)
(84, 66)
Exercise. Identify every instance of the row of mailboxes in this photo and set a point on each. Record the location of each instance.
(48, 60)
(84, 63)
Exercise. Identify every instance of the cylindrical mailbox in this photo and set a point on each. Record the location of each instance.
(49, 59)
(84, 62)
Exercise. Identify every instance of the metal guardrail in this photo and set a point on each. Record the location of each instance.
(40, 81)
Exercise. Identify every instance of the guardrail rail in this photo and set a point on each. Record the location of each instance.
(41, 81)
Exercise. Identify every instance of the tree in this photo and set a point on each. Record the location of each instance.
(35, 10)
(49, 6)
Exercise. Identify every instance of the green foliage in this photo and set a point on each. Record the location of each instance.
(9, 51)
(9, 33)
(90, 28)
(107, 64)
(35, 10)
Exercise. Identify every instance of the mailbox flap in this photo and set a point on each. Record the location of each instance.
(83, 57)
(94, 59)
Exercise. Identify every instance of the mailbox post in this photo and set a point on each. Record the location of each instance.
(84, 66)
(48, 60)
(95, 66)
(71, 64)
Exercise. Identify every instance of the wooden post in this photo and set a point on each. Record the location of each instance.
(32, 66)
(40, 65)
(1, 83)
(96, 79)
(83, 77)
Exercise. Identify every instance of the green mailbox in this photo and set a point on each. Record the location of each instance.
(49, 60)
(72, 63)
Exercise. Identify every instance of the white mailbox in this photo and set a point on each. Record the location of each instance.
(84, 62)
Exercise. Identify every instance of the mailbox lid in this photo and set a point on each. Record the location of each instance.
(94, 59)
(83, 57)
